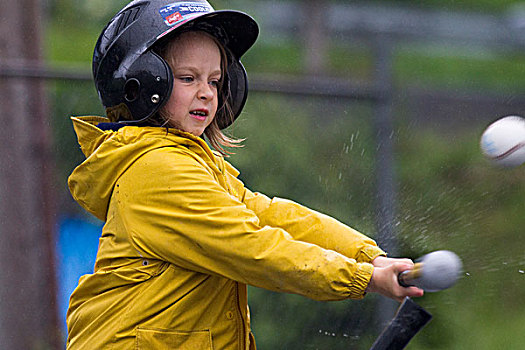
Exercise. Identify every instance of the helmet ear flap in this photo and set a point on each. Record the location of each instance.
(237, 84)
(154, 81)
(145, 85)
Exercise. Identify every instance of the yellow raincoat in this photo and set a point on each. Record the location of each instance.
(182, 239)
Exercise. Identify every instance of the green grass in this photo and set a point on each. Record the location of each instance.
(500, 72)
(490, 72)
(67, 44)
(489, 6)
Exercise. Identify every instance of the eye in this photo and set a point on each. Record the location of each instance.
(214, 83)
(187, 79)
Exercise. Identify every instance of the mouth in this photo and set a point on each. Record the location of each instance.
(199, 114)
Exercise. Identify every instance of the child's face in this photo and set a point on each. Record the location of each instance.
(195, 61)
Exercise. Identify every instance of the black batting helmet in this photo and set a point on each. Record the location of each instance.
(133, 81)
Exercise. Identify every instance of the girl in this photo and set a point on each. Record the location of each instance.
(182, 235)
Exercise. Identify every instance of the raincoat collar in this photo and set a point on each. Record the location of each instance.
(109, 153)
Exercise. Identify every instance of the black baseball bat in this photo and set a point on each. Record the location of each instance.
(409, 319)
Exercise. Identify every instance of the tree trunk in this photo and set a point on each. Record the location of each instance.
(28, 308)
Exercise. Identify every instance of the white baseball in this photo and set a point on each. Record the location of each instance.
(503, 142)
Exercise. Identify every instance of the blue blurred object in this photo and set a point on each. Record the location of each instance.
(76, 251)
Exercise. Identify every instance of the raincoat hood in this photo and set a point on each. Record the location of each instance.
(110, 153)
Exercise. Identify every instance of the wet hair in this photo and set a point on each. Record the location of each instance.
(216, 137)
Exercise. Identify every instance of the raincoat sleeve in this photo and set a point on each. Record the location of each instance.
(176, 209)
(307, 225)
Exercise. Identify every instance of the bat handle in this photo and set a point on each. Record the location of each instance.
(407, 278)
(404, 279)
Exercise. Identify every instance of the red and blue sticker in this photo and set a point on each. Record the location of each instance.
(180, 12)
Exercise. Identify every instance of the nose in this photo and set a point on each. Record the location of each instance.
(205, 92)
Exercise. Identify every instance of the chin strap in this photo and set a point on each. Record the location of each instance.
(111, 126)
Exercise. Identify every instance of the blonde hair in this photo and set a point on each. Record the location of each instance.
(224, 114)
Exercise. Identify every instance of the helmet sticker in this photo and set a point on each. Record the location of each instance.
(179, 12)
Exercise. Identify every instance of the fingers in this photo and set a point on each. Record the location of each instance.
(400, 267)
(383, 261)
(405, 261)
(414, 292)
(385, 281)
(401, 291)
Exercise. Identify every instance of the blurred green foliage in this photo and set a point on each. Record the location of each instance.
(464, 5)
(320, 152)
